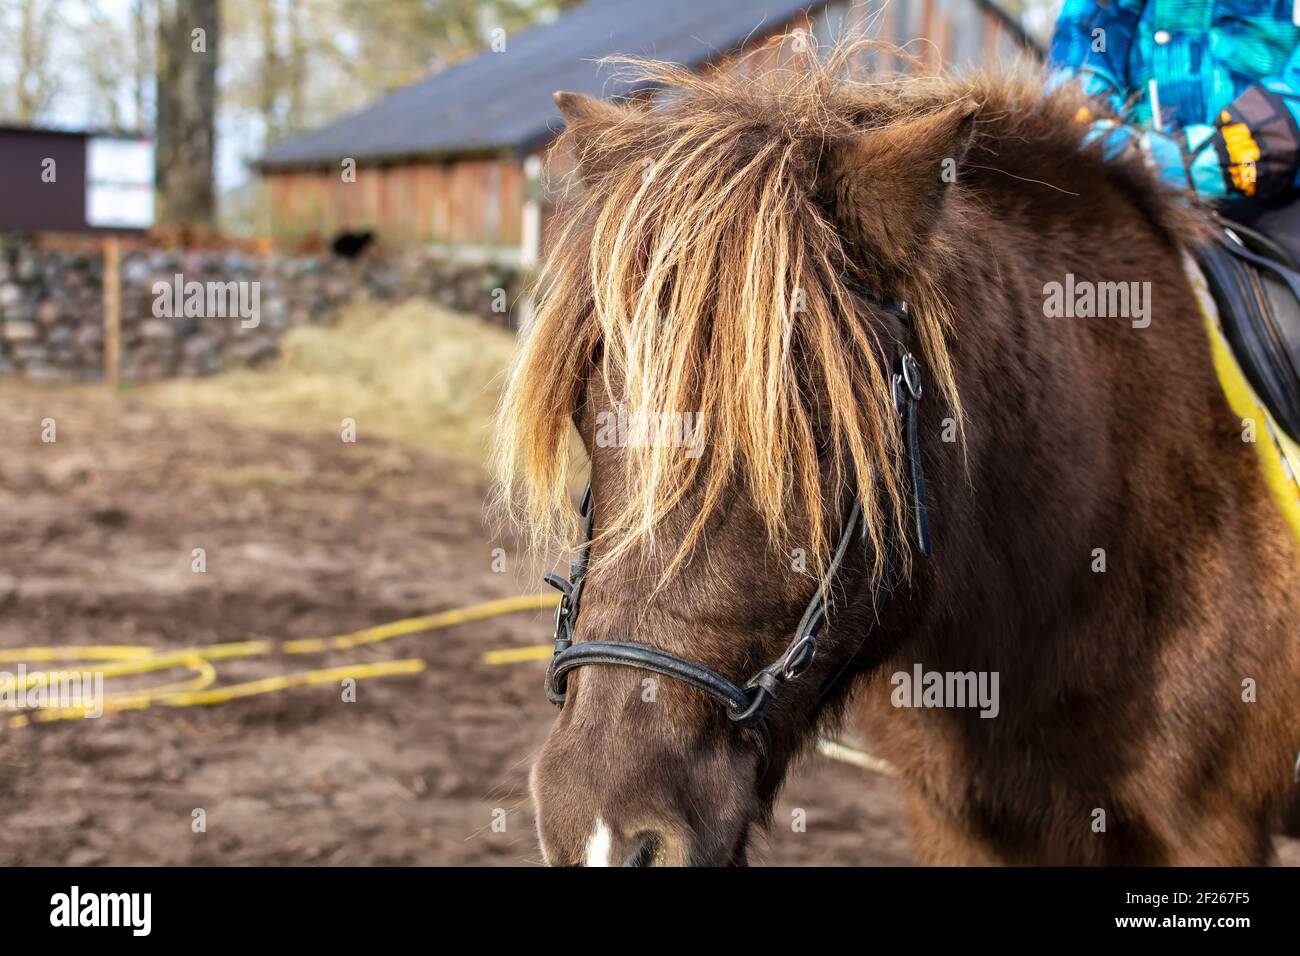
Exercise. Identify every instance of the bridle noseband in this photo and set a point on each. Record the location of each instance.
(746, 705)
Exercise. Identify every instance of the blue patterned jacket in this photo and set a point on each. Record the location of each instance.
(1221, 78)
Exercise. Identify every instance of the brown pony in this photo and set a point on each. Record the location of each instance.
(1105, 545)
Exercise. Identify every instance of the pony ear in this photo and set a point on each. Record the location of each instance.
(586, 118)
(580, 109)
(886, 188)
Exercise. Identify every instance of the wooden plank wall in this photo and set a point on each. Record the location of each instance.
(943, 34)
(473, 201)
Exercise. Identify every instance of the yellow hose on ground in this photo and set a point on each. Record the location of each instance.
(93, 653)
(518, 655)
(431, 622)
(205, 675)
(129, 660)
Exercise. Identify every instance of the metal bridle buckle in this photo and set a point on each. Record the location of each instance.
(912, 376)
(562, 617)
(566, 610)
(799, 658)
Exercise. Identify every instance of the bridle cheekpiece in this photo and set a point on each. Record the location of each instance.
(746, 705)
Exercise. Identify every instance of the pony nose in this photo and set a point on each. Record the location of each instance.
(640, 847)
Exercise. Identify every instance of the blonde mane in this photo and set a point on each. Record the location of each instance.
(700, 272)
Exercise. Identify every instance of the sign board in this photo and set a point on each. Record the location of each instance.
(119, 183)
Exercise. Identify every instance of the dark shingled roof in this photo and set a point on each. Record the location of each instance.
(502, 101)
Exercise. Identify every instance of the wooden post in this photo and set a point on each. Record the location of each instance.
(112, 310)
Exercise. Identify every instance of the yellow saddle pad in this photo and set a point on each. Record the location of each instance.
(1279, 456)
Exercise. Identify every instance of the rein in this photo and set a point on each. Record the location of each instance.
(746, 705)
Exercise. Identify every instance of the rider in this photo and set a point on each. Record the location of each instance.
(1214, 86)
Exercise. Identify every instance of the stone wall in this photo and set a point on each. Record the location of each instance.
(52, 317)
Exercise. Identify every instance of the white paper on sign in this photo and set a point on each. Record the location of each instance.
(119, 183)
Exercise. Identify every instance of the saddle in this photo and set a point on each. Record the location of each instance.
(1256, 286)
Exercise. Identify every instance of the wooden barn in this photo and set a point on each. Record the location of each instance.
(454, 160)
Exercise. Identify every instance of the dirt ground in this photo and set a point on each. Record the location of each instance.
(305, 536)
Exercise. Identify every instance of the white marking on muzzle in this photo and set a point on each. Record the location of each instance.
(598, 845)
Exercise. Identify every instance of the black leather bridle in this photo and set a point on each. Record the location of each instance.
(746, 705)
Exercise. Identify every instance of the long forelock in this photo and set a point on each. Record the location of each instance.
(698, 264)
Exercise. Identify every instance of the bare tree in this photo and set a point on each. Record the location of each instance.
(283, 67)
(143, 58)
(188, 38)
(113, 57)
(30, 25)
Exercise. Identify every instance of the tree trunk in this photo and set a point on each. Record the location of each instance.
(188, 33)
(36, 76)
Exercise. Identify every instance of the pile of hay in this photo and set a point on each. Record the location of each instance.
(414, 372)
